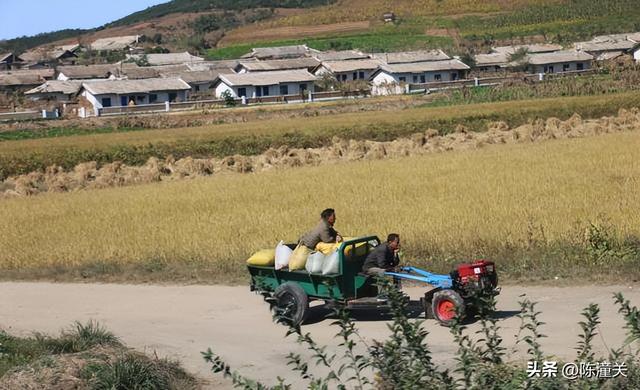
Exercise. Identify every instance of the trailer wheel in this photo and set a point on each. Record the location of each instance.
(292, 304)
(445, 304)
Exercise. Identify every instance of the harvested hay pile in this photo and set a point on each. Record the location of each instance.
(90, 176)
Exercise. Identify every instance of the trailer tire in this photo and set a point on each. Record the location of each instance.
(444, 306)
(292, 304)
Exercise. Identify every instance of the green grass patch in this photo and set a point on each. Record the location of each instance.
(387, 39)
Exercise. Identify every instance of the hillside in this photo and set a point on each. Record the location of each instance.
(227, 28)
(227, 14)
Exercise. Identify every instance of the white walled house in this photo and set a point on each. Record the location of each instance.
(406, 57)
(114, 93)
(390, 79)
(559, 61)
(349, 70)
(265, 84)
(82, 72)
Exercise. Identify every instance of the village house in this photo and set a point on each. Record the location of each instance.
(348, 70)
(280, 52)
(158, 59)
(492, 62)
(559, 61)
(200, 81)
(635, 51)
(82, 72)
(535, 48)
(411, 56)
(110, 93)
(342, 55)
(128, 42)
(47, 58)
(391, 79)
(10, 61)
(132, 71)
(307, 63)
(23, 80)
(214, 65)
(262, 84)
(56, 90)
(607, 47)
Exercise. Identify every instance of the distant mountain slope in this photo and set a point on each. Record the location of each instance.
(181, 6)
(158, 11)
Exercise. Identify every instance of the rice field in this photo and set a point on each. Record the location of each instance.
(567, 208)
(254, 137)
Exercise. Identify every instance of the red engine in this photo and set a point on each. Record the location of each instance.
(476, 277)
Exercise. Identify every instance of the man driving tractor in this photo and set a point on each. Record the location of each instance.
(384, 257)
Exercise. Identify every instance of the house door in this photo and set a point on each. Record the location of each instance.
(124, 100)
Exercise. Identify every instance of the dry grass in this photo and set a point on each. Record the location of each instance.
(499, 201)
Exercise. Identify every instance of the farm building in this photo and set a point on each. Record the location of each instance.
(348, 70)
(47, 58)
(81, 72)
(342, 55)
(134, 72)
(559, 61)
(390, 79)
(156, 59)
(111, 93)
(280, 52)
(411, 56)
(214, 65)
(10, 61)
(56, 90)
(307, 63)
(261, 84)
(23, 80)
(127, 42)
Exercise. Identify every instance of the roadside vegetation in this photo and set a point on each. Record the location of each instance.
(565, 209)
(252, 138)
(84, 356)
(404, 359)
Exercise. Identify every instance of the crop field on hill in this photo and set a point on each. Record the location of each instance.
(135, 148)
(474, 22)
(563, 208)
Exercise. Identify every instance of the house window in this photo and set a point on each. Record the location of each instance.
(437, 77)
(284, 89)
(402, 79)
(344, 77)
(361, 75)
(550, 68)
(565, 67)
(415, 78)
(580, 66)
(140, 99)
(454, 76)
(242, 92)
(355, 75)
(106, 102)
(197, 88)
(173, 97)
(153, 98)
(303, 87)
(265, 90)
(423, 79)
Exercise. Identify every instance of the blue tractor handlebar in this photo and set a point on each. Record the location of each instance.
(419, 275)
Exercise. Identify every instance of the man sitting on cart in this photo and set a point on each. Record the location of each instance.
(323, 232)
(384, 257)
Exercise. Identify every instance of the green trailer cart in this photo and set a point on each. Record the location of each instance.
(292, 291)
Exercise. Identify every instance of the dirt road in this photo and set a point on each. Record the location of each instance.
(181, 321)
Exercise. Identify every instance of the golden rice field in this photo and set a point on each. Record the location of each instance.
(524, 205)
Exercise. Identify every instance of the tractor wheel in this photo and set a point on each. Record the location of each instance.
(292, 304)
(445, 304)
